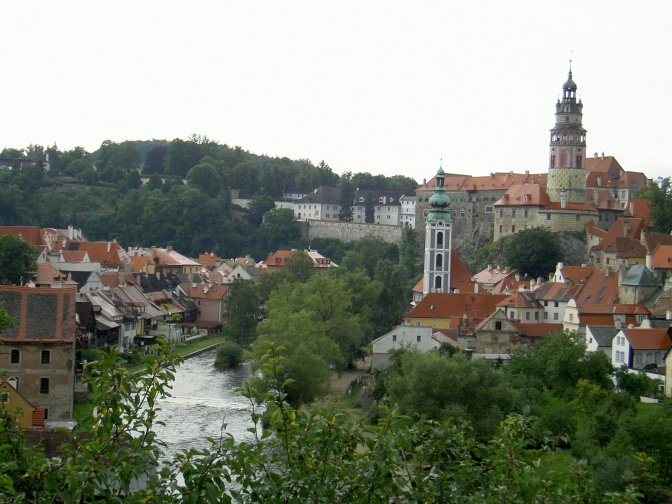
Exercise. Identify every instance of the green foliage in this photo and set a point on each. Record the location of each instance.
(557, 363)
(347, 198)
(636, 384)
(242, 309)
(17, 260)
(369, 208)
(229, 355)
(366, 253)
(659, 194)
(534, 252)
(440, 386)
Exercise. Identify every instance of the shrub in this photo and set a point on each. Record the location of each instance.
(229, 355)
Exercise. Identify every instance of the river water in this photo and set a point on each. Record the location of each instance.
(203, 398)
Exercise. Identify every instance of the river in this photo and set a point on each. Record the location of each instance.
(203, 398)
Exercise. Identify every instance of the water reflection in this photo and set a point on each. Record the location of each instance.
(203, 398)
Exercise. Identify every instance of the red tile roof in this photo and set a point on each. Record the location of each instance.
(40, 314)
(205, 291)
(208, 260)
(639, 207)
(598, 288)
(653, 240)
(632, 180)
(520, 299)
(73, 256)
(31, 234)
(604, 164)
(524, 195)
(103, 252)
(662, 257)
(454, 306)
(648, 339)
(139, 262)
(495, 181)
(620, 234)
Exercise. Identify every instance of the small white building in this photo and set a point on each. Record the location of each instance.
(419, 338)
(407, 217)
(640, 349)
(599, 338)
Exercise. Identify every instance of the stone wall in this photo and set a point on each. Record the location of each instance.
(350, 231)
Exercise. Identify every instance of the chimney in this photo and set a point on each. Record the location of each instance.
(169, 248)
(595, 155)
(602, 154)
(596, 196)
(109, 246)
(626, 228)
(527, 172)
(71, 232)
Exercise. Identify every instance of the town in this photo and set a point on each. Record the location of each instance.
(609, 291)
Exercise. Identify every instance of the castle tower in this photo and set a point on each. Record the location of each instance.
(566, 172)
(438, 240)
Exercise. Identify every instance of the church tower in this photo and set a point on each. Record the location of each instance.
(566, 172)
(438, 240)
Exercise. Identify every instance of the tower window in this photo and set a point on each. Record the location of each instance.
(437, 283)
(439, 239)
(439, 261)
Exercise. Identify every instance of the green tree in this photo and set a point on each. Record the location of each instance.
(347, 198)
(659, 194)
(534, 252)
(369, 208)
(17, 260)
(205, 177)
(155, 160)
(279, 229)
(242, 309)
(409, 257)
(440, 386)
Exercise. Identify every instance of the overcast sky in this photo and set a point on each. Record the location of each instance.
(386, 87)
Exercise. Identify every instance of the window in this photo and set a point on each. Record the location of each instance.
(638, 358)
(494, 340)
(527, 315)
(44, 385)
(437, 282)
(555, 303)
(439, 239)
(571, 317)
(488, 209)
(4, 397)
(536, 315)
(545, 303)
(525, 214)
(548, 216)
(513, 214)
(501, 213)
(545, 316)
(418, 338)
(513, 229)
(45, 357)
(46, 413)
(500, 228)
(555, 316)
(498, 326)
(14, 356)
(394, 337)
(439, 261)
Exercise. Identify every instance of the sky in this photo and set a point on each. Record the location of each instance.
(380, 86)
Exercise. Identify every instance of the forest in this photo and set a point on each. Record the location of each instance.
(185, 203)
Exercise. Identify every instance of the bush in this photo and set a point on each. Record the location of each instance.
(229, 355)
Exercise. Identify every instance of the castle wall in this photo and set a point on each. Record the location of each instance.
(350, 231)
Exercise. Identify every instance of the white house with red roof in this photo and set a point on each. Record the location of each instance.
(642, 350)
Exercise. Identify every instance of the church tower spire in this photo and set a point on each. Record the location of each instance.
(566, 172)
(438, 240)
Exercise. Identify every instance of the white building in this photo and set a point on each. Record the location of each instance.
(407, 216)
(419, 338)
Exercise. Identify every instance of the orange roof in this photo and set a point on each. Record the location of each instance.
(454, 305)
(73, 256)
(40, 314)
(577, 274)
(556, 291)
(614, 308)
(525, 195)
(662, 257)
(492, 276)
(594, 230)
(208, 260)
(618, 238)
(604, 164)
(653, 240)
(31, 234)
(139, 262)
(494, 181)
(279, 257)
(170, 257)
(103, 252)
(598, 288)
(47, 274)
(205, 291)
(520, 299)
(605, 200)
(114, 279)
(639, 207)
(648, 339)
(632, 180)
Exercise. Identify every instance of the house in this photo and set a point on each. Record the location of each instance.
(577, 317)
(277, 260)
(211, 302)
(490, 278)
(641, 349)
(620, 245)
(637, 284)
(108, 254)
(455, 314)
(522, 306)
(324, 203)
(498, 335)
(26, 415)
(167, 260)
(419, 338)
(39, 350)
(599, 338)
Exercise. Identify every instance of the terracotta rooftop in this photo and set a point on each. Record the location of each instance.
(520, 299)
(31, 234)
(598, 288)
(74, 256)
(604, 164)
(632, 180)
(492, 275)
(454, 306)
(653, 240)
(40, 314)
(208, 260)
(555, 291)
(138, 263)
(205, 291)
(648, 339)
(169, 257)
(494, 181)
(105, 253)
(524, 195)
(639, 207)
(629, 228)
(662, 257)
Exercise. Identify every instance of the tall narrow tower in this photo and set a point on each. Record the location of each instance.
(566, 171)
(438, 240)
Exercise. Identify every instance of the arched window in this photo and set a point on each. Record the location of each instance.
(439, 261)
(439, 239)
(437, 282)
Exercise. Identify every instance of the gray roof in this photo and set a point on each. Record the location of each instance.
(603, 334)
(639, 275)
